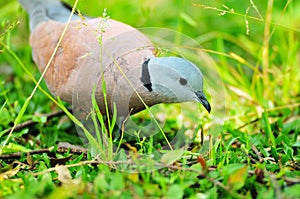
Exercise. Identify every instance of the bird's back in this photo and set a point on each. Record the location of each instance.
(88, 48)
(45, 10)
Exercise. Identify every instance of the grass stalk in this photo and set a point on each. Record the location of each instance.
(37, 85)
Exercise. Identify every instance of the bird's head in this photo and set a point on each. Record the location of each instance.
(174, 79)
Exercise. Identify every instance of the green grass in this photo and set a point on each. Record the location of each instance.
(254, 86)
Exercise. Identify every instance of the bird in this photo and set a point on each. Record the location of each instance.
(97, 54)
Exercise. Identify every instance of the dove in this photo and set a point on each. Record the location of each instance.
(102, 53)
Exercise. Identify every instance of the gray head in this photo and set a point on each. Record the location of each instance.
(174, 79)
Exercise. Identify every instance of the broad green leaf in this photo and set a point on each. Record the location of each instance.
(172, 156)
(237, 179)
(175, 191)
(235, 175)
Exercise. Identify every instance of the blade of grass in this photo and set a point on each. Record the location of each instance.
(109, 125)
(265, 48)
(94, 114)
(225, 157)
(91, 139)
(37, 83)
(141, 99)
(3, 105)
(267, 128)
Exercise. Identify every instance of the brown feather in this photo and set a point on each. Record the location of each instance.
(92, 48)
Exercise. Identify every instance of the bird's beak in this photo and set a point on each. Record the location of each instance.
(202, 99)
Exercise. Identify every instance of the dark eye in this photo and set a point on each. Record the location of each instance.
(182, 81)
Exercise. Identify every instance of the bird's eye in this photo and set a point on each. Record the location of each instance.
(182, 81)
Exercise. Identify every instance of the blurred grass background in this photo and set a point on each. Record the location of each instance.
(219, 34)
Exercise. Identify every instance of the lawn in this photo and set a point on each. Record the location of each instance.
(248, 147)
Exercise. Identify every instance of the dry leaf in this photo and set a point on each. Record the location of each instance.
(202, 162)
(9, 173)
(64, 175)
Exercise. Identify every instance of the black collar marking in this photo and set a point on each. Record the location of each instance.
(70, 8)
(146, 76)
(67, 6)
